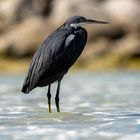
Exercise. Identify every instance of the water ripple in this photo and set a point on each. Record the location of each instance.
(105, 106)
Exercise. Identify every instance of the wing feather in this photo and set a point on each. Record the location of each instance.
(43, 59)
(54, 57)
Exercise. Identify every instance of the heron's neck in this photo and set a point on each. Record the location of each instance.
(73, 25)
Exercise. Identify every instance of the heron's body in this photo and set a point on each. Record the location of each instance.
(56, 55)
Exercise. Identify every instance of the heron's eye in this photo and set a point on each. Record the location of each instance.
(82, 20)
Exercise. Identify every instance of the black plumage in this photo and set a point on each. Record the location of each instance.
(56, 55)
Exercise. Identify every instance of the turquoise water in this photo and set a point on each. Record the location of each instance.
(101, 106)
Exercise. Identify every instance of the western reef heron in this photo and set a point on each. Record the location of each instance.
(56, 55)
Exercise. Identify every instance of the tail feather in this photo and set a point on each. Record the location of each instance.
(25, 89)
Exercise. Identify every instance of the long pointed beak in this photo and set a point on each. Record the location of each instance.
(90, 21)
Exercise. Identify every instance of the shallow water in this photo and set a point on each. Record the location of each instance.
(93, 106)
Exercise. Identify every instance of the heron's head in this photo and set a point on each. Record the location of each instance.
(76, 21)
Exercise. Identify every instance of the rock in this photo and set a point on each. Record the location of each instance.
(123, 12)
(23, 38)
(128, 46)
(7, 12)
(25, 23)
(13, 11)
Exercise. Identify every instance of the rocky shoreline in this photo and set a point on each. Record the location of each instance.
(24, 24)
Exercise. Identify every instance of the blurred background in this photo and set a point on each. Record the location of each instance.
(25, 23)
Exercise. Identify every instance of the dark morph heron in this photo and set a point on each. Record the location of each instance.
(56, 55)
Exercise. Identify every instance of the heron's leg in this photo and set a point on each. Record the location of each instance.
(57, 96)
(49, 98)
